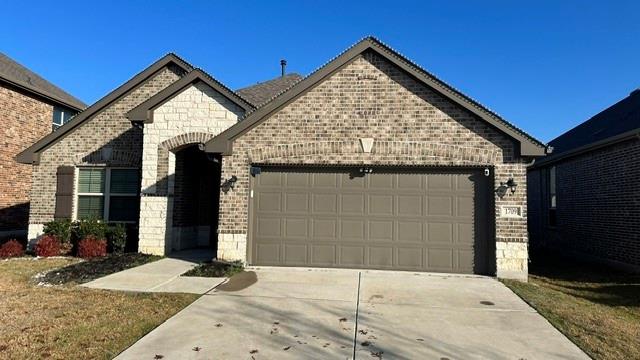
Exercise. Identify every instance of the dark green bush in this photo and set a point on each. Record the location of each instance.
(91, 227)
(61, 229)
(117, 237)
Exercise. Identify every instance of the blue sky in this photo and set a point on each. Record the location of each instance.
(544, 65)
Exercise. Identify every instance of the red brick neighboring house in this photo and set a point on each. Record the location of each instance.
(30, 107)
(584, 198)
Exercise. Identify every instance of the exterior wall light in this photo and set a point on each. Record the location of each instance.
(229, 184)
(510, 184)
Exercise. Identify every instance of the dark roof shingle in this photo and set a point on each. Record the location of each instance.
(18, 75)
(619, 118)
(264, 91)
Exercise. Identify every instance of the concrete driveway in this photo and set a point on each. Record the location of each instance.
(311, 314)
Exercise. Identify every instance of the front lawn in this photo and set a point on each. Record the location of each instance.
(596, 307)
(69, 322)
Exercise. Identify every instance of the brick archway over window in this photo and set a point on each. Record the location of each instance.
(175, 144)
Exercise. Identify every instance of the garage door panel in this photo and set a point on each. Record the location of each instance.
(296, 203)
(295, 254)
(439, 205)
(269, 227)
(352, 256)
(465, 234)
(270, 201)
(440, 259)
(410, 231)
(381, 256)
(323, 255)
(464, 206)
(466, 259)
(465, 183)
(409, 205)
(296, 228)
(380, 181)
(324, 229)
(380, 205)
(325, 203)
(271, 179)
(352, 204)
(440, 182)
(410, 182)
(381, 230)
(352, 230)
(268, 253)
(441, 233)
(293, 180)
(384, 220)
(410, 257)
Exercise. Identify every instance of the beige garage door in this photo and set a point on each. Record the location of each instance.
(387, 219)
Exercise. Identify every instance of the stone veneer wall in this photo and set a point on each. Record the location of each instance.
(110, 128)
(194, 116)
(25, 119)
(410, 125)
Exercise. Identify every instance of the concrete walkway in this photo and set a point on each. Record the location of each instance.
(273, 313)
(161, 276)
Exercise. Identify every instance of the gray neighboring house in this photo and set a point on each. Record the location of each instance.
(368, 162)
(584, 198)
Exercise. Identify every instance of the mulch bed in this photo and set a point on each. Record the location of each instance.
(89, 270)
(215, 268)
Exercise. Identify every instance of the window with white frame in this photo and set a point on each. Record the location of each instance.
(108, 194)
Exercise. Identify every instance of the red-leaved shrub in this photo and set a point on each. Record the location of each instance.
(11, 248)
(48, 246)
(91, 247)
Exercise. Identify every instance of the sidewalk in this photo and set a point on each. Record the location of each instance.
(161, 276)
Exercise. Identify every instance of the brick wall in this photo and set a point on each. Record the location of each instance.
(598, 204)
(108, 129)
(24, 120)
(411, 125)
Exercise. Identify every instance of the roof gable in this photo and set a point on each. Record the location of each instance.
(223, 143)
(19, 76)
(32, 154)
(144, 111)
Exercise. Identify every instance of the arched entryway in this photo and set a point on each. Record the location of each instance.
(195, 187)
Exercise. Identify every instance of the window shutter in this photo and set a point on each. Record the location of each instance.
(64, 192)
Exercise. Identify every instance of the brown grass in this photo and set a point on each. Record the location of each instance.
(68, 322)
(597, 308)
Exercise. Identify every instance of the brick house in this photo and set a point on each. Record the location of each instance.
(30, 107)
(584, 198)
(368, 162)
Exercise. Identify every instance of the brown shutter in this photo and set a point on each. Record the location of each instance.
(64, 192)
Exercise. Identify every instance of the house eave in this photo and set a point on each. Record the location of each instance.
(635, 133)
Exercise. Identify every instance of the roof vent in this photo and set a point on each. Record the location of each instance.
(635, 92)
(283, 66)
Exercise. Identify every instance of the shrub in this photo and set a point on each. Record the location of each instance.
(91, 247)
(11, 248)
(48, 246)
(117, 237)
(61, 230)
(90, 228)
